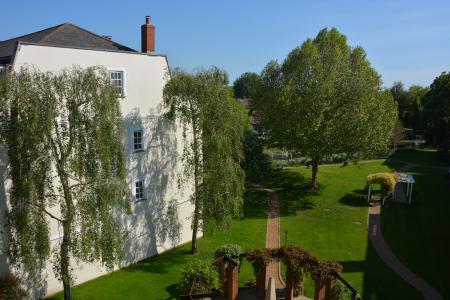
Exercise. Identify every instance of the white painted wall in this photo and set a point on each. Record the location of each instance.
(150, 230)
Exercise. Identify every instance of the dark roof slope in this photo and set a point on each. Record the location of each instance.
(64, 35)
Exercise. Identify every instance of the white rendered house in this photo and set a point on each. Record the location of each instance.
(160, 208)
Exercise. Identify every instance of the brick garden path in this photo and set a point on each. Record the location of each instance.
(273, 241)
(389, 258)
(273, 237)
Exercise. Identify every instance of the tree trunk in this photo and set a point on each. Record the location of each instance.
(314, 170)
(197, 200)
(67, 227)
(195, 230)
(65, 262)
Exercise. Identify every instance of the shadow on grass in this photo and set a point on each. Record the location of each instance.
(357, 198)
(293, 191)
(255, 204)
(379, 281)
(417, 156)
(159, 263)
(174, 291)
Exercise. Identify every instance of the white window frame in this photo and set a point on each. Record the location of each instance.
(135, 191)
(136, 130)
(124, 79)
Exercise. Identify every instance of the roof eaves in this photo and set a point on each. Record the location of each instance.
(91, 49)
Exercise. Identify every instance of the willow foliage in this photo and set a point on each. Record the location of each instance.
(213, 131)
(65, 152)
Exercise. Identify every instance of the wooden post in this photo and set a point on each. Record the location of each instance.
(224, 278)
(232, 278)
(289, 290)
(261, 283)
(330, 284)
(319, 293)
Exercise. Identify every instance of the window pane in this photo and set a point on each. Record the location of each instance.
(116, 78)
(137, 139)
(139, 190)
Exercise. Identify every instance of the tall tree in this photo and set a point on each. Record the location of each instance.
(437, 112)
(324, 99)
(245, 85)
(212, 126)
(65, 151)
(409, 103)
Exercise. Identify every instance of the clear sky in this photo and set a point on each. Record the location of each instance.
(406, 41)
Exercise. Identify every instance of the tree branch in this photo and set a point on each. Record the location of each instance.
(48, 213)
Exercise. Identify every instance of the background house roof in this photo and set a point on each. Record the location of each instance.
(64, 35)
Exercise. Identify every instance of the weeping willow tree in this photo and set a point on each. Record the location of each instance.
(66, 162)
(213, 131)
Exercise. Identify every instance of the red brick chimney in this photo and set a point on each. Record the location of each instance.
(148, 36)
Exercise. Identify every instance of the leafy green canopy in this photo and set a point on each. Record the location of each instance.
(437, 112)
(410, 105)
(213, 130)
(325, 99)
(245, 85)
(65, 152)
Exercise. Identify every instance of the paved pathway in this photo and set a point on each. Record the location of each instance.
(273, 241)
(273, 237)
(389, 258)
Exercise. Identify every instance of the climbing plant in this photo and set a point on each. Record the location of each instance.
(298, 262)
(261, 258)
(232, 252)
(387, 181)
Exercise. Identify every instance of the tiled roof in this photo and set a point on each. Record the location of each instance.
(64, 35)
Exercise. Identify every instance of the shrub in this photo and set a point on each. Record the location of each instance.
(10, 288)
(206, 278)
(386, 180)
(231, 251)
(340, 292)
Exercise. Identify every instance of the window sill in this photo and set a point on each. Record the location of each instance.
(138, 151)
(140, 200)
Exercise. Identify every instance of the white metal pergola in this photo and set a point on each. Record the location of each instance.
(401, 178)
(409, 180)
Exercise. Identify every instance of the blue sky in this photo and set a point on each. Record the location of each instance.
(405, 40)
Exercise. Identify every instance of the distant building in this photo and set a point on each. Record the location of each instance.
(153, 146)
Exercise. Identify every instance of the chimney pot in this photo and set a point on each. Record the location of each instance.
(147, 36)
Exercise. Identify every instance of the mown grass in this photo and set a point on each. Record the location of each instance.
(419, 234)
(331, 223)
(158, 277)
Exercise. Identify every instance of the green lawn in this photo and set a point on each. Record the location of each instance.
(420, 234)
(331, 223)
(157, 277)
(419, 157)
